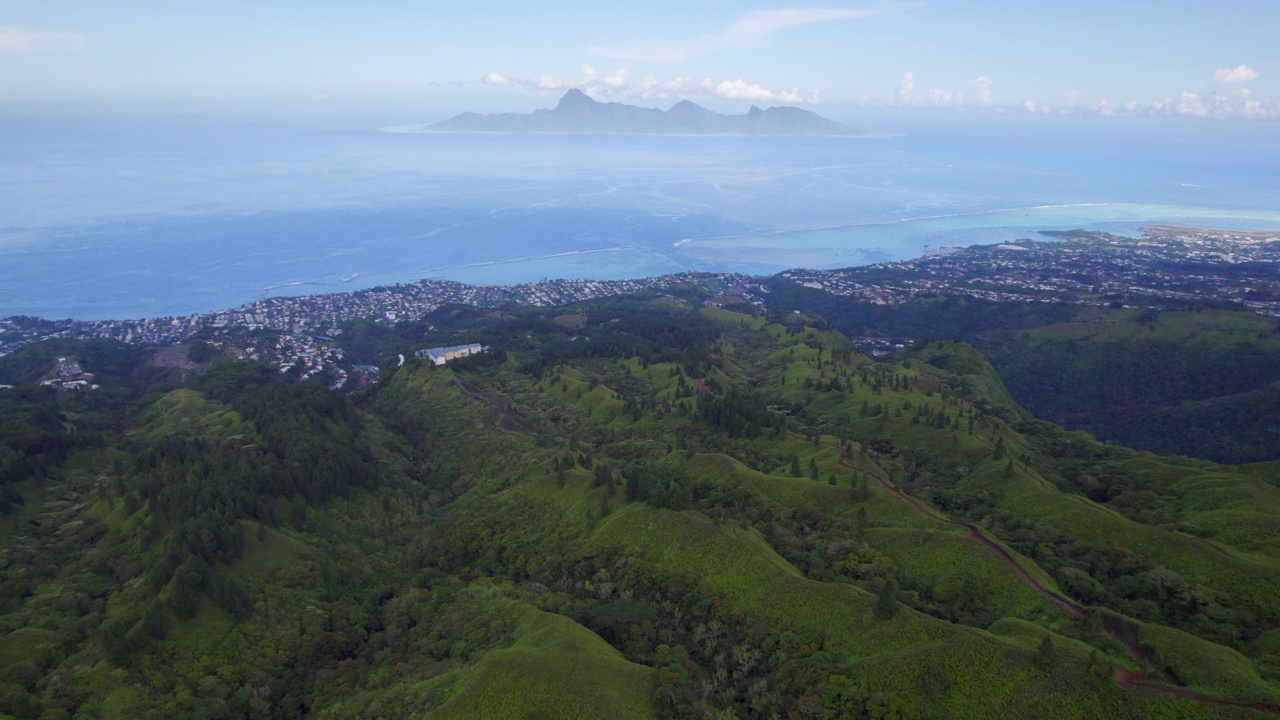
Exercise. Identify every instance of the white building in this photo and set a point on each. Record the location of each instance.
(442, 355)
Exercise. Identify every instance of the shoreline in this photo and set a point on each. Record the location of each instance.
(762, 252)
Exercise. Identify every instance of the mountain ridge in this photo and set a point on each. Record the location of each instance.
(689, 506)
(578, 113)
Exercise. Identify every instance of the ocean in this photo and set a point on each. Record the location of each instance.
(125, 217)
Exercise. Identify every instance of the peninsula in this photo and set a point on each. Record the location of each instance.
(578, 113)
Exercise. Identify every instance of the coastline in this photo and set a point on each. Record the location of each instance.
(766, 251)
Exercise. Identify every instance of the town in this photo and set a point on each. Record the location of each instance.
(1164, 265)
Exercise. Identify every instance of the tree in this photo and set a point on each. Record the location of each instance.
(972, 596)
(603, 475)
(795, 465)
(813, 469)
(858, 488)
(1046, 655)
(887, 601)
(936, 679)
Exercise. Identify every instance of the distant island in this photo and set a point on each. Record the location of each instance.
(578, 113)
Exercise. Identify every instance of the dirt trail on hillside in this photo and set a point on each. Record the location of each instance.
(976, 535)
(506, 419)
(1131, 680)
(1125, 678)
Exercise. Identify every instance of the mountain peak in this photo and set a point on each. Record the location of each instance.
(575, 98)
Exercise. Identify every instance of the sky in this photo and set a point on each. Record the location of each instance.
(1199, 58)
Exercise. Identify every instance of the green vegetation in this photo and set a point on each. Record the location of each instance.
(1198, 379)
(1202, 384)
(631, 508)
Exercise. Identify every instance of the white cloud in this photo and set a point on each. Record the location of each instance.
(1072, 97)
(17, 40)
(612, 79)
(907, 87)
(982, 89)
(752, 30)
(653, 89)
(548, 82)
(1190, 103)
(1237, 74)
(938, 96)
(755, 28)
(615, 84)
(1240, 105)
(740, 90)
(497, 78)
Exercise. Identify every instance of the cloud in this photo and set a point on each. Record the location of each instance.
(612, 79)
(1240, 105)
(752, 30)
(497, 78)
(1190, 103)
(616, 84)
(755, 28)
(17, 40)
(982, 89)
(1237, 74)
(740, 90)
(938, 96)
(653, 89)
(907, 87)
(548, 82)
(592, 81)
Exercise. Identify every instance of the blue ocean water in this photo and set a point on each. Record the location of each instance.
(121, 217)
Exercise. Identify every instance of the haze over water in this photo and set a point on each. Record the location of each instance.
(119, 217)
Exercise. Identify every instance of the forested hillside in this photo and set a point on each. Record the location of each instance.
(1197, 379)
(629, 508)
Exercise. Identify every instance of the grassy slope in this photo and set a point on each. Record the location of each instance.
(917, 545)
(556, 669)
(1232, 506)
(1244, 578)
(892, 655)
(989, 674)
(352, 544)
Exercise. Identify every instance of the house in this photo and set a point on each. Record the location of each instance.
(442, 355)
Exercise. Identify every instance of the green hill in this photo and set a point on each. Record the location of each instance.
(653, 511)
